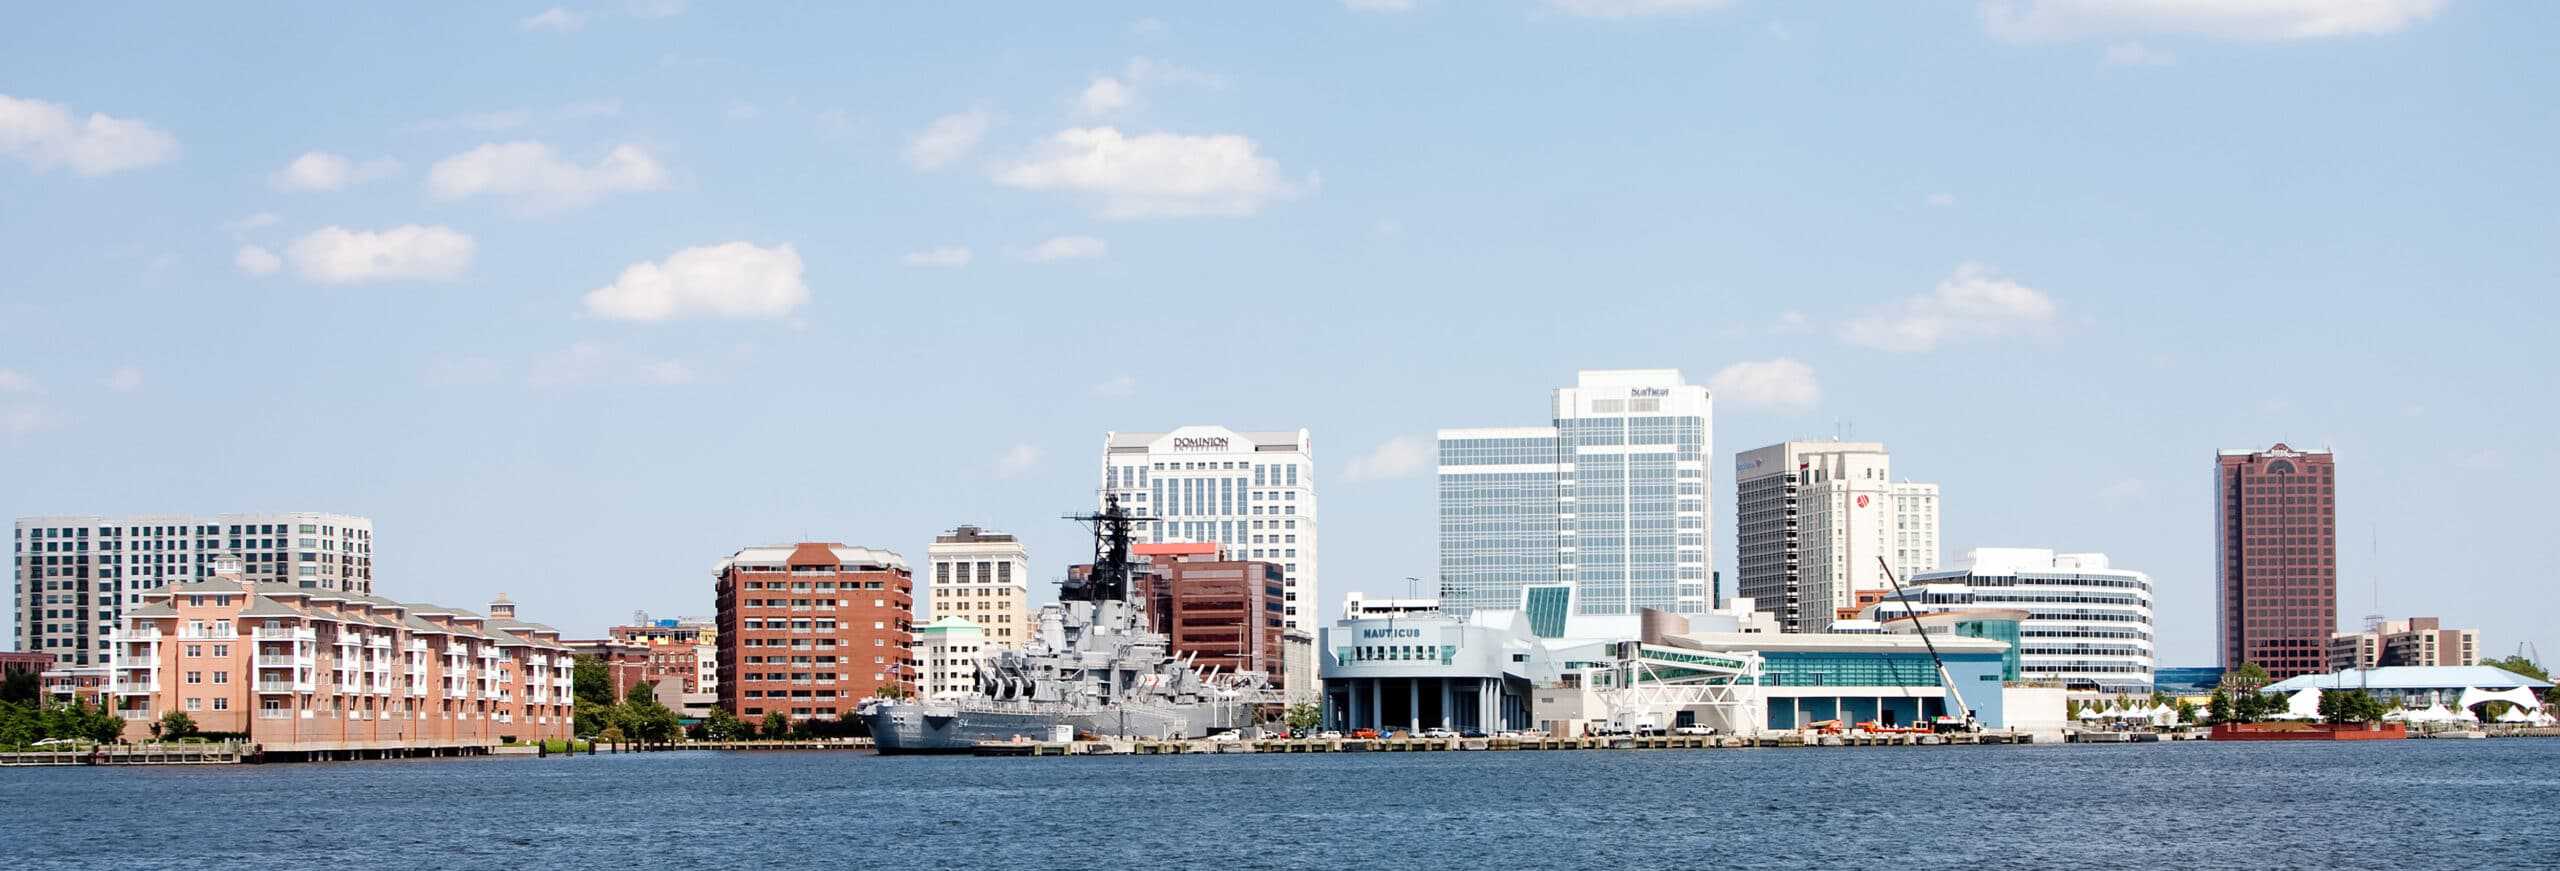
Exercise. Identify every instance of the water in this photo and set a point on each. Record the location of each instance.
(2400, 805)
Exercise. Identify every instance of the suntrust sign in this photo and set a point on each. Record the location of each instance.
(1200, 443)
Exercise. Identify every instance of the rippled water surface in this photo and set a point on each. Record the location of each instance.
(2410, 804)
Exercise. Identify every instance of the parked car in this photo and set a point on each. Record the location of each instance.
(1328, 735)
(1227, 736)
(1472, 733)
(1438, 733)
(1364, 733)
(1694, 730)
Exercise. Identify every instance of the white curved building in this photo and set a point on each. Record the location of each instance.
(2089, 623)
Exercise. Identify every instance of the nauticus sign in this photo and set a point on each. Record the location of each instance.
(1366, 634)
(1200, 443)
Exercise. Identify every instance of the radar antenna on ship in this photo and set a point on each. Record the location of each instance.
(1109, 580)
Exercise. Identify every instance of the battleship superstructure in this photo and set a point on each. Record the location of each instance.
(1092, 665)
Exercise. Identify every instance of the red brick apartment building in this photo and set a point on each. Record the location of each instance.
(813, 629)
(2276, 540)
(1227, 613)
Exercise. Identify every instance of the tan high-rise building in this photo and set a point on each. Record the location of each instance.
(2414, 641)
(1816, 523)
(983, 577)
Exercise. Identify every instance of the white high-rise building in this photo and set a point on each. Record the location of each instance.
(1252, 492)
(982, 577)
(947, 657)
(76, 574)
(2087, 624)
(1812, 519)
(1612, 497)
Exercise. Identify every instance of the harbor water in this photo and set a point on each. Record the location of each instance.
(2399, 805)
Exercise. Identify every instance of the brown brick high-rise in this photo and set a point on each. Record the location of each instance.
(2276, 549)
(811, 630)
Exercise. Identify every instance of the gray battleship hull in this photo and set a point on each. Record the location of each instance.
(932, 727)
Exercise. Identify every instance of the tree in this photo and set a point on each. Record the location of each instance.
(174, 726)
(22, 687)
(1303, 717)
(592, 681)
(2220, 708)
(2252, 674)
(2186, 712)
(776, 726)
(722, 725)
(642, 718)
(890, 691)
(2520, 665)
(2340, 707)
(19, 724)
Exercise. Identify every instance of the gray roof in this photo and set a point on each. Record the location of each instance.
(2411, 677)
(160, 609)
(261, 606)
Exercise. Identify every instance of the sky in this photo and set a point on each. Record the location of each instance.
(575, 300)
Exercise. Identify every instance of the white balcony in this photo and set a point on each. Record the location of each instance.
(273, 661)
(135, 713)
(378, 642)
(134, 635)
(191, 633)
(275, 713)
(417, 644)
(275, 686)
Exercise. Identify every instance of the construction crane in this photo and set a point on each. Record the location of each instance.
(1944, 679)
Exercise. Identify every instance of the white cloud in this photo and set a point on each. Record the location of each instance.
(1118, 387)
(1634, 8)
(1378, 5)
(1974, 302)
(2050, 20)
(125, 379)
(538, 180)
(557, 19)
(947, 139)
(257, 260)
(18, 420)
(946, 256)
(336, 255)
(1941, 200)
(1783, 384)
(1152, 174)
(1398, 457)
(587, 363)
(1017, 460)
(322, 171)
(1105, 96)
(45, 135)
(735, 280)
(241, 227)
(1792, 321)
(1111, 94)
(13, 381)
(1067, 248)
(2135, 54)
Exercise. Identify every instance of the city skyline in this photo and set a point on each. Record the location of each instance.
(572, 305)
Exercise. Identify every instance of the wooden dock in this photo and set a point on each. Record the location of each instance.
(211, 753)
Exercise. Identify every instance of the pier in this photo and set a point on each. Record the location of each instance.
(1154, 747)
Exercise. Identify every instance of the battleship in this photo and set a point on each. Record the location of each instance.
(1093, 667)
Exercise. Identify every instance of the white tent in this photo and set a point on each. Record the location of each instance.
(2515, 715)
(2304, 705)
(2431, 714)
(2398, 715)
(2090, 712)
(2473, 697)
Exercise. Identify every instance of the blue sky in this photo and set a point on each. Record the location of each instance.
(575, 300)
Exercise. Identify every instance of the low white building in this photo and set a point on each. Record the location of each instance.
(2088, 624)
(1358, 607)
(947, 657)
